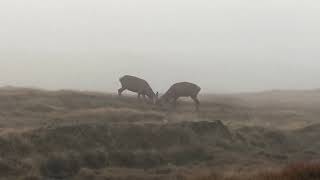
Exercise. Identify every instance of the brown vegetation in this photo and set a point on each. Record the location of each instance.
(87, 135)
(296, 171)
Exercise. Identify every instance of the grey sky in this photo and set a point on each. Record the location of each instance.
(223, 45)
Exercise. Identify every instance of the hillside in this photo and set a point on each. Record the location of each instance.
(89, 135)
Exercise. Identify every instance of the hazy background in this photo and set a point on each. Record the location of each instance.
(223, 45)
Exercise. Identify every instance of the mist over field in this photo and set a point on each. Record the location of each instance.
(238, 81)
(224, 45)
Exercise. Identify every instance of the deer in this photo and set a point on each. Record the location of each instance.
(181, 89)
(137, 85)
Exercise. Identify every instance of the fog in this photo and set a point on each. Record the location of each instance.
(222, 45)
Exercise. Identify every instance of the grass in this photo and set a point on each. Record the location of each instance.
(295, 171)
(88, 135)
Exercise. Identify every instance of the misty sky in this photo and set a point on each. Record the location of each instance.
(222, 45)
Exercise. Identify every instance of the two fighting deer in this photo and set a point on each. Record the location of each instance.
(177, 90)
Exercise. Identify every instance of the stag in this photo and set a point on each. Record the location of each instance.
(137, 85)
(181, 89)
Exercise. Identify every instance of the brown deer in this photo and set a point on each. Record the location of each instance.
(137, 85)
(181, 89)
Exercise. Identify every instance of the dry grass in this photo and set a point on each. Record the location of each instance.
(88, 135)
(296, 171)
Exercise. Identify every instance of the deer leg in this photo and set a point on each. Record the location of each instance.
(196, 101)
(139, 95)
(121, 90)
